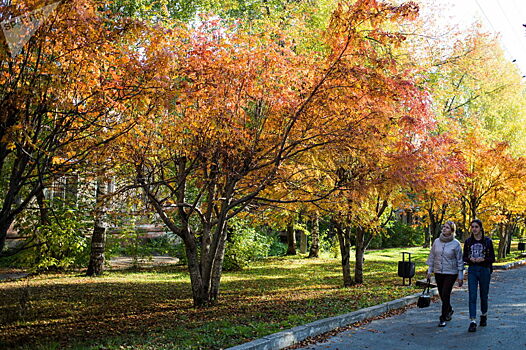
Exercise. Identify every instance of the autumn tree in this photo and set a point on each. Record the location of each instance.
(478, 99)
(436, 181)
(63, 99)
(376, 155)
(372, 187)
(490, 170)
(216, 141)
(510, 205)
(240, 107)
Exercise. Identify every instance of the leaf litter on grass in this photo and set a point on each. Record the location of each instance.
(143, 309)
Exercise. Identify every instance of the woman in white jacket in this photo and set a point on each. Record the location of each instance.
(445, 260)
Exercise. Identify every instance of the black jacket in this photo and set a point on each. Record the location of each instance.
(472, 247)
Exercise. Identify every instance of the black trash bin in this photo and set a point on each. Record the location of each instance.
(406, 268)
(522, 246)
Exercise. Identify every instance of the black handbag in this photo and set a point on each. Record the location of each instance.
(424, 300)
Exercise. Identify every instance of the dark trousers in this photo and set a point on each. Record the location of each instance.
(445, 284)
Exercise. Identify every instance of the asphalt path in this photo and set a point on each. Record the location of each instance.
(417, 329)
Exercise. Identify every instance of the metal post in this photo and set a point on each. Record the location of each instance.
(409, 267)
(403, 260)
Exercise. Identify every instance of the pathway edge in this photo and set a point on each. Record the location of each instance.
(297, 334)
(294, 335)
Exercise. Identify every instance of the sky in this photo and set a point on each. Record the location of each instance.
(505, 17)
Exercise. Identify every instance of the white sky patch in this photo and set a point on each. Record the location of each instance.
(505, 17)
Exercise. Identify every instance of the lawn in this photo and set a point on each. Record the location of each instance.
(512, 257)
(152, 309)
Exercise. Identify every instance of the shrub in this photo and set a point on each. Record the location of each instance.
(132, 242)
(277, 247)
(245, 244)
(62, 242)
(398, 234)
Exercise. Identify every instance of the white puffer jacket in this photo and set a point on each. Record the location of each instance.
(446, 258)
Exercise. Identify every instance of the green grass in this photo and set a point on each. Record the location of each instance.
(515, 255)
(152, 309)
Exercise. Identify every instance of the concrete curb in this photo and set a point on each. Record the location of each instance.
(294, 335)
(510, 265)
(10, 277)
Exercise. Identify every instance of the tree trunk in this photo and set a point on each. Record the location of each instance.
(199, 289)
(303, 242)
(409, 214)
(511, 231)
(217, 269)
(436, 231)
(291, 239)
(427, 237)
(42, 207)
(473, 207)
(205, 286)
(360, 250)
(465, 227)
(98, 239)
(5, 223)
(315, 238)
(204, 249)
(503, 240)
(345, 249)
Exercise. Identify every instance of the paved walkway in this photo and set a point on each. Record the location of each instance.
(417, 329)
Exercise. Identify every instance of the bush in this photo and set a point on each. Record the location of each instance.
(398, 234)
(245, 244)
(61, 244)
(277, 247)
(132, 242)
(180, 253)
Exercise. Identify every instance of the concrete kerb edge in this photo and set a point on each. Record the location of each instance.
(510, 265)
(294, 335)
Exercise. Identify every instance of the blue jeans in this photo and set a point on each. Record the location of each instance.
(478, 276)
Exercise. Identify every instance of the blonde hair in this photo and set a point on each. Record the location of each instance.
(452, 226)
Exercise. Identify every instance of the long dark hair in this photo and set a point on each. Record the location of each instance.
(478, 222)
(483, 238)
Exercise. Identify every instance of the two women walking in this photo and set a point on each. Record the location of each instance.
(446, 261)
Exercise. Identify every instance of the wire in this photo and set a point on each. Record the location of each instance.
(487, 18)
(521, 42)
(494, 30)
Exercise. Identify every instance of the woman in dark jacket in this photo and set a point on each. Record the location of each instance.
(480, 256)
